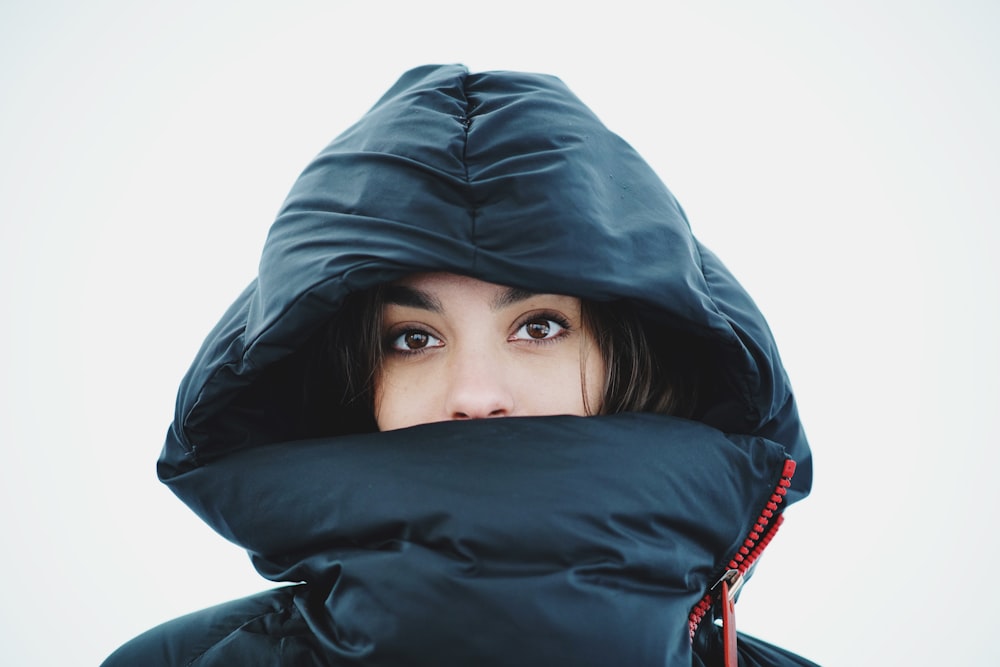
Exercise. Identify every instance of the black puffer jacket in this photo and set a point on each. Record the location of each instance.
(524, 541)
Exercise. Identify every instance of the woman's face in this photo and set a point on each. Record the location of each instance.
(459, 348)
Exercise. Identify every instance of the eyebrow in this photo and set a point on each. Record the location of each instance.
(509, 297)
(400, 295)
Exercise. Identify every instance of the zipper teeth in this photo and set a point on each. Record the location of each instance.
(760, 536)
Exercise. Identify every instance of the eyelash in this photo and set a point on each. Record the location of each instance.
(558, 319)
(390, 348)
(548, 317)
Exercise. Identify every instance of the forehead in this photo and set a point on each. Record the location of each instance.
(436, 291)
(446, 282)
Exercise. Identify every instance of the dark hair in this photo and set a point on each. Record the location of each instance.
(648, 368)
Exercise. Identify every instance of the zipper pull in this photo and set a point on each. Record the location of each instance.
(728, 586)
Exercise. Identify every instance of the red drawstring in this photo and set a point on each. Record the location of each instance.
(728, 625)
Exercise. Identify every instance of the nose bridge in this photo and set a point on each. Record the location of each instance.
(477, 384)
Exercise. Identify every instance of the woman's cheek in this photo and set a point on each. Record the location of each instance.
(405, 394)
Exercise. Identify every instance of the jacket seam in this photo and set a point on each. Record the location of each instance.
(228, 633)
(466, 123)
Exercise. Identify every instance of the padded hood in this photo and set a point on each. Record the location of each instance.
(509, 178)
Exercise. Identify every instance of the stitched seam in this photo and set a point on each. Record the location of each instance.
(466, 122)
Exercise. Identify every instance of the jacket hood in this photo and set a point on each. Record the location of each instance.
(509, 178)
(503, 176)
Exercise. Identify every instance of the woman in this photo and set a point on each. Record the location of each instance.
(488, 402)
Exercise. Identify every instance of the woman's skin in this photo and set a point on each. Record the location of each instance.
(460, 348)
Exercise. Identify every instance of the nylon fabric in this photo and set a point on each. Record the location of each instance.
(527, 541)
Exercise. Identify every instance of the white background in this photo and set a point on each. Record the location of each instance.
(841, 157)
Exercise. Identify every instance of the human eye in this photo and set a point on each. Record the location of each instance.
(541, 328)
(412, 340)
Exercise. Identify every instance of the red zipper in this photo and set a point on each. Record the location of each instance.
(729, 583)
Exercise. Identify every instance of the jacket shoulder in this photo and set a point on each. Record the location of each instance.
(262, 629)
